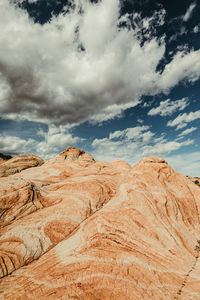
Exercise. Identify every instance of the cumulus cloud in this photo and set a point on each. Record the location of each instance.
(14, 145)
(122, 144)
(189, 12)
(86, 64)
(168, 107)
(132, 144)
(181, 120)
(46, 144)
(75, 67)
(55, 140)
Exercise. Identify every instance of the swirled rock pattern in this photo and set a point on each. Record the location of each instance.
(76, 228)
(18, 164)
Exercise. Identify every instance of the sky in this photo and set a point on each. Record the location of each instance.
(119, 79)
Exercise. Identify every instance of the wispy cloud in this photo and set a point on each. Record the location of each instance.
(182, 119)
(168, 107)
(133, 143)
(189, 12)
(187, 131)
(165, 148)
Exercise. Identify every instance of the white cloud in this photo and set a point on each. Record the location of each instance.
(168, 107)
(196, 29)
(189, 12)
(32, 1)
(187, 131)
(15, 145)
(54, 141)
(184, 66)
(134, 143)
(183, 119)
(165, 148)
(47, 144)
(45, 76)
(122, 144)
(187, 163)
(180, 126)
(135, 133)
(118, 146)
(111, 112)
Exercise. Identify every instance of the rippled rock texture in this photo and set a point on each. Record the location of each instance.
(76, 228)
(18, 164)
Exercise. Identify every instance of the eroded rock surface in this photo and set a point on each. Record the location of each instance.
(76, 228)
(19, 163)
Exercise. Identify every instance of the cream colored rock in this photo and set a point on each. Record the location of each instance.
(19, 163)
(100, 231)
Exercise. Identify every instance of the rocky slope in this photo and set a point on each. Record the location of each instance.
(76, 228)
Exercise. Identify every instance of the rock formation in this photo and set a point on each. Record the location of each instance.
(76, 228)
(196, 180)
(18, 164)
(4, 157)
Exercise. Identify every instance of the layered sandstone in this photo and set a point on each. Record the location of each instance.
(76, 228)
(18, 164)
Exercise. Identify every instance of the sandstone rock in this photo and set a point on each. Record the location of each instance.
(19, 163)
(196, 180)
(75, 228)
(4, 157)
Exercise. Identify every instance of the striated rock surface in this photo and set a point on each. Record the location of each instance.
(76, 228)
(18, 164)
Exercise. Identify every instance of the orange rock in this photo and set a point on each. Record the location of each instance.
(75, 228)
(19, 163)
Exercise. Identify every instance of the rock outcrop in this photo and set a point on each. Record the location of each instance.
(19, 163)
(4, 157)
(76, 228)
(196, 180)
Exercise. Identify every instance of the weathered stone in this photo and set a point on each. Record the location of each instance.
(75, 228)
(19, 163)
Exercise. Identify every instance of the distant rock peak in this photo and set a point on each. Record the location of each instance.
(5, 156)
(74, 154)
(156, 159)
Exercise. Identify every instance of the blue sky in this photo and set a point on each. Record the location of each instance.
(119, 79)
